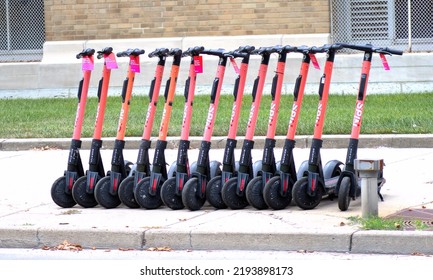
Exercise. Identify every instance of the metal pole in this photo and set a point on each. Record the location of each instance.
(8, 28)
(409, 24)
(368, 171)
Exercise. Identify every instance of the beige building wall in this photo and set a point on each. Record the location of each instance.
(120, 19)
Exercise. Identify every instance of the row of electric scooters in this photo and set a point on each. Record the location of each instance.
(230, 183)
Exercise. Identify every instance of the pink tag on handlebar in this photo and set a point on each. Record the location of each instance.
(235, 66)
(384, 61)
(314, 61)
(198, 64)
(134, 63)
(87, 63)
(110, 61)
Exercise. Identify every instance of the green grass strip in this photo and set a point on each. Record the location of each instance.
(54, 117)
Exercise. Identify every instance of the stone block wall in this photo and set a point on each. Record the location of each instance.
(120, 19)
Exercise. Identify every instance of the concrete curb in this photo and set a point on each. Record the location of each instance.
(329, 141)
(353, 241)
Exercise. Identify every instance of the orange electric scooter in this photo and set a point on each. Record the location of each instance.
(61, 190)
(229, 168)
(83, 189)
(233, 190)
(348, 186)
(147, 192)
(194, 191)
(106, 190)
(142, 166)
(277, 192)
(171, 190)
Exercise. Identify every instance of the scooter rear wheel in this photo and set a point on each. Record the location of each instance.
(213, 193)
(60, 196)
(272, 194)
(103, 194)
(189, 195)
(343, 194)
(169, 196)
(80, 194)
(126, 192)
(254, 193)
(230, 196)
(143, 196)
(302, 198)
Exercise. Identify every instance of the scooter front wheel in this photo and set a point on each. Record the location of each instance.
(126, 192)
(302, 198)
(103, 194)
(59, 194)
(169, 196)
(213, 193)
(143, 196)
(80, 194)
(343, 194)
(230, 196)
(254, 193)
(272, 194)
(189, 195)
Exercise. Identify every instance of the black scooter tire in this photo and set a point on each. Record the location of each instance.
(59, 196)
(302, 198)
(80, 194)
(343, 194)
(213, 193)
(169, 196)
(143, 196)
(189, 195)
(272, 194)
(126, 193)
(103, 195)
(254, 193)
(230, 197)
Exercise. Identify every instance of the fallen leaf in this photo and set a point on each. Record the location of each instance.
(65, 246)
(159, 249)
(126, 249)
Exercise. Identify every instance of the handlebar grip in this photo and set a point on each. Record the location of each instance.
(85, 52)
(265, 50)
(392, 51)
(193, 51)
(105, 51)
(217, 52)
(175, 52)
(129, 52)
(288, 49)
(159, 52)
(245, 49)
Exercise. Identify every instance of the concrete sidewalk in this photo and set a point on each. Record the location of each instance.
(30, 219)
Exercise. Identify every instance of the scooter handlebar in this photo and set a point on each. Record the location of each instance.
(159, 52)
(217, 52)
(371, 48)
(266, 50)
(130, 52)
(85, 52)
(306, 49)
(193, 51)
(242, 51)
(105, 51)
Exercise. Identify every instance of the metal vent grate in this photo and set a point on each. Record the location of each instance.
(369, 20)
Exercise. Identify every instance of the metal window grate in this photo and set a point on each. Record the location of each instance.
(401, 24)
(22, 30)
